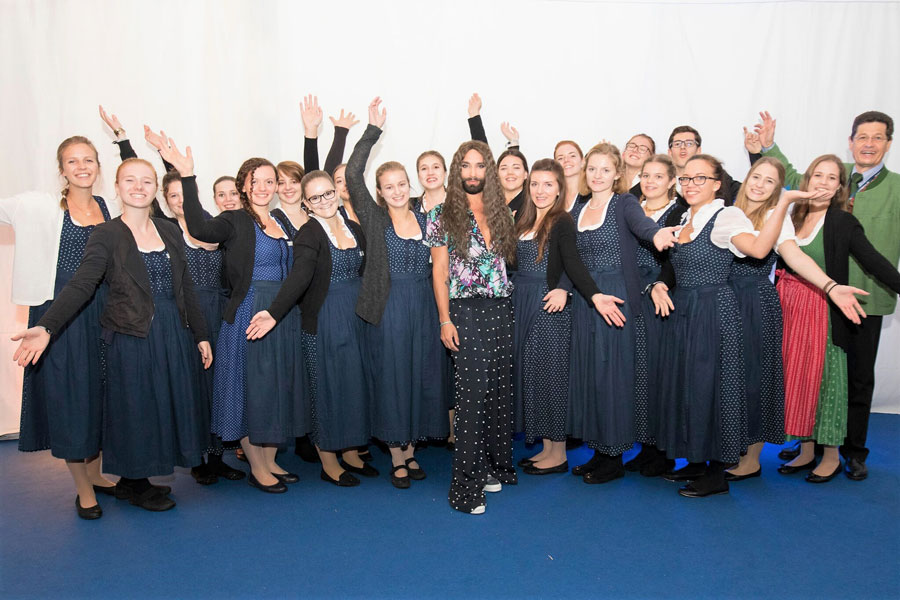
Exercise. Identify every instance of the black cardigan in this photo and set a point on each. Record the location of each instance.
(112, 255)
(335, 154)
(563, 256)
(310, 275)
(843, 236)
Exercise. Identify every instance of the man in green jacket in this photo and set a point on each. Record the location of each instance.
(875, 201)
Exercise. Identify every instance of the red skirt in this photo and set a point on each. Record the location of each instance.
(803, 347)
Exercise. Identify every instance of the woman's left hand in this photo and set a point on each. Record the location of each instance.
(844, 297)
(205, 353)
(261, 324)
(555, 300)
(112, 121)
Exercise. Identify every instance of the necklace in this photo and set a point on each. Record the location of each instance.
(591, 205)
(653, 209)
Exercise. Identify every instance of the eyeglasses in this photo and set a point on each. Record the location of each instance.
(642, 149)
(697, 179)
(683, 144)
(875, 139)
(321, 197)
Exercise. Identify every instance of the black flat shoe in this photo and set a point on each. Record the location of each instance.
(305, 450)
(401, 483)
(789, 454)
(732, 477)
(287, 477)
(365, 455)
(223, 470)
(203, 475)
(152, 499)
(533, 470)
(813, 478)
(787, 469)
(657, 467)
(90, 513)
(415, 473)
(689, 472)
(276, 488)
(588, 466)
(108, 490)
(689, 491)
(345, 480)
(856, 469)
(525, 462)
(366, 470)
(645, 456)
(123, 492)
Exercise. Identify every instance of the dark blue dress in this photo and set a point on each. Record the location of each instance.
(647, 335)
(258, 387)
(601, 376)
(62, 395)
(702, 412)
(155, 418)
(764, 369)
(406, 358)
(540, 350)
(336, 360)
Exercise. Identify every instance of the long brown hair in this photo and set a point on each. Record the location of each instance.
(71, 141)
(529, 210)
(758, 214)
(455, 212)
(620, 186)
(839, 200)
(247, 170)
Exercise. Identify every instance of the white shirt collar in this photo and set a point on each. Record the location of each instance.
(704, 214)
(327, 227)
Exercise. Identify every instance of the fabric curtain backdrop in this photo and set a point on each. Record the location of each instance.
(226, 77)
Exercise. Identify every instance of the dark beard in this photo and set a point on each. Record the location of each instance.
(473, 189)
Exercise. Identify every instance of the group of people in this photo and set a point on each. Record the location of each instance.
(610, 297)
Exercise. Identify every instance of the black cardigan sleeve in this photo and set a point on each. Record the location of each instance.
(476, 129)
(216, 230)
(871, 259)
(310, 154)
(335, 153)
(306, 256)
(566, 258)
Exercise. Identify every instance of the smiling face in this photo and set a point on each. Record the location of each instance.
(570, 158)
(869, 145)
(637, 150)
(431, 172)
(175, 198)
(473, 171)
(226, 195)
(136, 184)
(288, 188)
(79, 165)
(340, 183)
(316, 197)
(261, 185)
(761, 182)
(512, 173)
(655, 181)
(826, 176)
(699, 194)
(393, 186)
(543, 189)
(600, 173)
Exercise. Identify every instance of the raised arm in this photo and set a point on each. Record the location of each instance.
(766, 131)
(362, 200)
(311, 115)
(476, 127)
(759, 246)
(342, 127)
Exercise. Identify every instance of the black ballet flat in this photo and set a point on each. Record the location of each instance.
(688, 472)
(415, 473)
(787, 469)
(525, 462)
(603, 475)
(588, 466)
(151, 499)
(401, 483)
(689, 491)
(813, 478)
(366, 470)
(645, 456)
(90, 513)
(732, 477)
(108, 490)
(789, 454)
(287, 477)
(275, 488)
(229, 473)
(204, 475)
(123, 492)
(533, 470)
(345, 480)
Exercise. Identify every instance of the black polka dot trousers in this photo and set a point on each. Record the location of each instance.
(483, 399)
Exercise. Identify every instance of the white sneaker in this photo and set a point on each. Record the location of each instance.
(478, 510)
(492, 485)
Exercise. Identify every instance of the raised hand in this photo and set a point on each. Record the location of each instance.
(751, 142)
(844, 297)
(157, 140)
(666, 237)
(205, 354)
(659, 293)
(510, 133)
(555, 300)
(474, 105)
(112, 121)
(311, 115)
(34, 342)
(183, 163)
(790, 196)
(261, 324)
(346, 122)
(765, 129)
(377, 118)
(608, 308)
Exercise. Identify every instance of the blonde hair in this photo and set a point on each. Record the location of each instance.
(71, 141)
(605, 149)
(758, 216)
(387, 167)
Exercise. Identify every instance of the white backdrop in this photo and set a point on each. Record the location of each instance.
(226, 77)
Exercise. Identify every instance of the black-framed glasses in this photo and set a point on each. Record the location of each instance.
(697, 179)
(321, 197)
(639, 147)
(683, 144)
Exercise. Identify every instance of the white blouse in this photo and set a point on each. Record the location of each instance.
(658, 213)
(328, 231)
(731, 222)
(599, 223)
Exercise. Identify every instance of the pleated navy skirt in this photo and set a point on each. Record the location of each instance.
(62, 395)
(648, 328)
(155, 418)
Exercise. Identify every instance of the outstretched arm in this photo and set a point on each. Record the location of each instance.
(362, 200)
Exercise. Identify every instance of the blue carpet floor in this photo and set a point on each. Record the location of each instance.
(549, 537)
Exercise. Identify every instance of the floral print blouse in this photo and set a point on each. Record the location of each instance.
(482, 274)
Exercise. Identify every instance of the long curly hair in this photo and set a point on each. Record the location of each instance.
(247, 170)
(557, 210)
(455, 212)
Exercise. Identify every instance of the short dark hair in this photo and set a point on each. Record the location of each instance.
(685, 129)
(873, 116)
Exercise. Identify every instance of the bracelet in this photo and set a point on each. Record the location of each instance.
(47, 329)
(446, 323)
(118, 132)
(829, 286)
